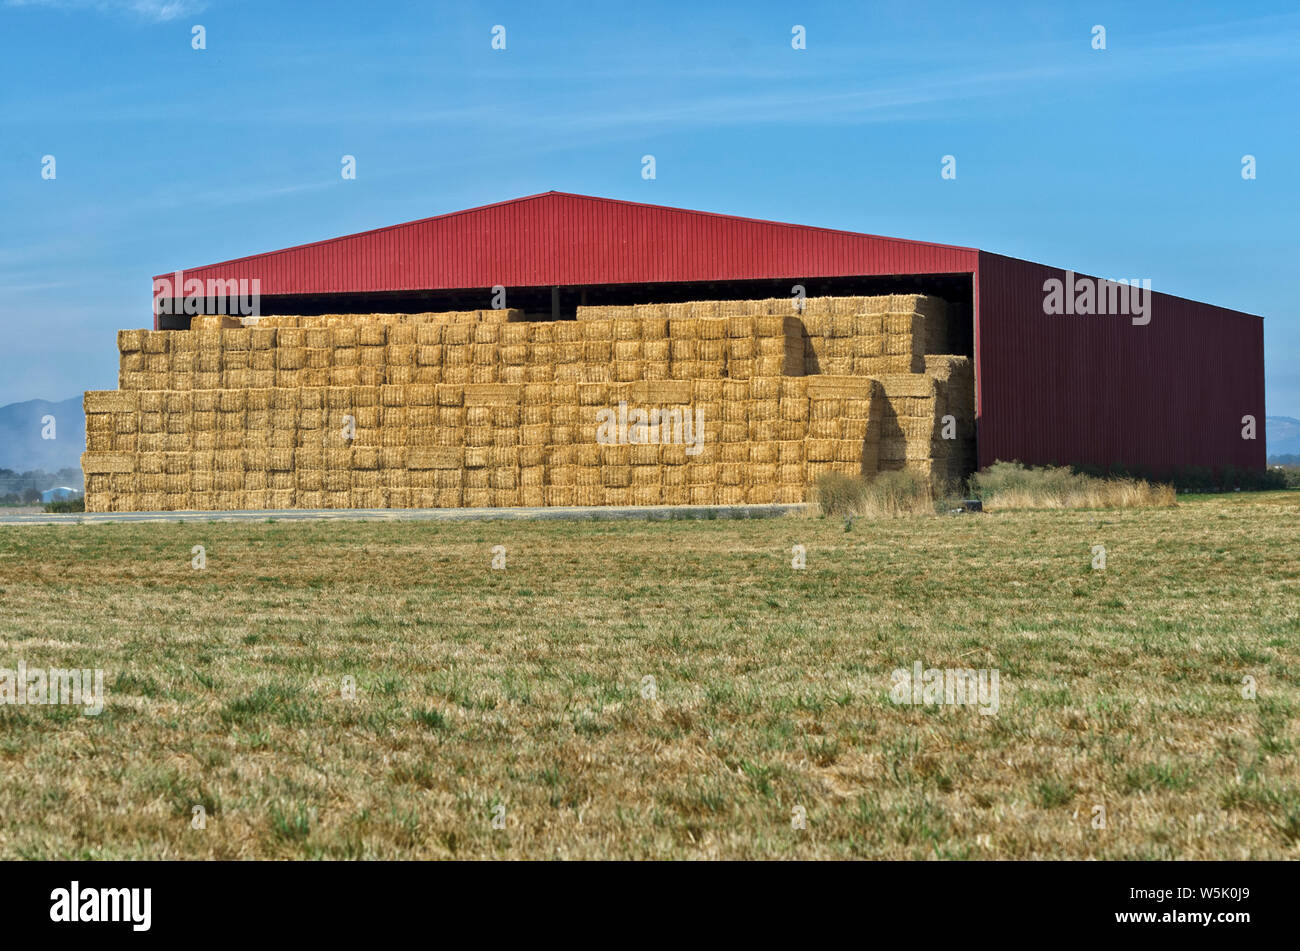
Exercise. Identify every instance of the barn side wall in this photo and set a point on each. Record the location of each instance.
(1099, 390)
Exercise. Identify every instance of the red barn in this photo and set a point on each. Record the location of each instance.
(1165, 388)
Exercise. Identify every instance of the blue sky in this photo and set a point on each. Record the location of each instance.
(1123, 162)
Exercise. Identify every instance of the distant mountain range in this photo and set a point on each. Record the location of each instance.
(22, 447)
(1283, 436)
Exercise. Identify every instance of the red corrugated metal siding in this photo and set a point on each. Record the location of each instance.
(1099, 390)
(565, 239)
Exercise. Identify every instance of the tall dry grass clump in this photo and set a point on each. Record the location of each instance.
(1009, 485)
(887, 495)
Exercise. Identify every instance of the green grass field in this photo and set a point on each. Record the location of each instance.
(525, 688)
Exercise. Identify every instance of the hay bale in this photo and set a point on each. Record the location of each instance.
(912, 385)
(841, 387)
(215, 322)
(130, 341)
(492, 394)
(110, 401)
(663, 392)
(435, 457)
(107, 462)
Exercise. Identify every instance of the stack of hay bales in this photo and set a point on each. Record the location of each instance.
(867, 336)
(845, 417)
(634, 346)
(707, 441)
(327, 350)
(955, 377)
(861, 336)
(483, 408)
(910, 425)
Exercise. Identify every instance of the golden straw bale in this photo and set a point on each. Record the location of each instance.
(597, 330)
(712, 350)
(484, 354)
(399, 335)
(684, 350)
(420, 394)
(841, 387)
(916, 385)
(110, 401)
(130, 341)
(457, 335)
(106, 441)
(626, 371)
(896, 344)
(290, 358)
(741, 327)
(653, 328)
(176, 402)
(155, 341)
(559, 495)
(318, 358)
(371, 334)
(568, 331)
(490, 394)
(868, 325)
(235, 340)
(107, 462)
(627, 350)
(215, 322)
(588, 495)
(182, 341)
(868, 345)
(657, 351)
(541, 332)
(703, 494)
(399, 355)
(741, 348)
(515, 334)
(477, 497)
(683, 328)
(569, 352)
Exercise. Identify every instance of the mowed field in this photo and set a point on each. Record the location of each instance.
(525, 688)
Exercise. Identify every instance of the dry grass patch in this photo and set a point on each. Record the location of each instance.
(1009, 485)
(885, 495)
(527, 688)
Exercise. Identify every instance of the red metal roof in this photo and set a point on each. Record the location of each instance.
(562, 239)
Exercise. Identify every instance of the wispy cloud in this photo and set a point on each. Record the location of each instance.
(157, 11)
